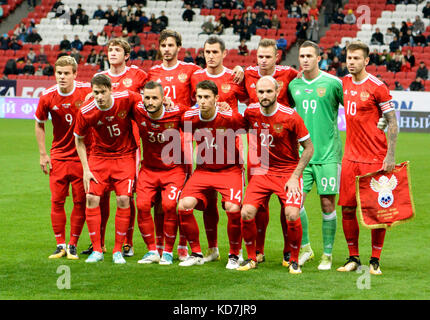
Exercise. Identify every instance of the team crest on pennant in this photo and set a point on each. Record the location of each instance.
(127, 82)
(364, 96)
(321, 92)
(182, 77)
(225, 87)
(122, 114)
(278, 127)
(384, 187)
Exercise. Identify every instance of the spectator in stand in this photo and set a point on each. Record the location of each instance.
(245, 34)
(305, 9)
(313, 12)
(275, 22)
(426, 10)
(328, 6)
(234, 19)
(350, 17)
(336, 50)
(152, 19)
(374, 57)
(342, 70)
(92, 39)
(48, 70)
(406, 66)
(418, 25)
(382, 80)
(141, 53)
(62, 53)
(21, 32)
(33, 37)
(77, 43)
(389, 36)
(14, 44)
(294, 10)
(252, 29)
(281, 44)
(385, 57)
(200, 59)
(102, 39)
(76, 55)
(133, 39)
(10, 67)
(83, 19)
(417, 85)
(395, 44)
(271, 5)
(31, 55)
(301, 30)
(188, 57)
(39, 71)
(224, 21)
(58, 8)
(403, 28)
(324, 62)
(41, 57)
(157, 26)
(395, 65)
(188, 14)
(104, 63)
(313, 30)
(4, 42)
(99, 13)
(407, 39)
(237, 28)
(398, 86)
(122, 19)
(394, 29)
(208, 27)
(335, 64)
(409, 57)
(92, 57)
(152, 53)
(219, 29)
(339, 17)
(243, 48)
(65, 44)
(409, 23)
(377, 37)
(258, 4)
(422, 71)
(138, 25)
(265, 22)
(420, 40)
(164, 19)
(79, 10)
(133, 54)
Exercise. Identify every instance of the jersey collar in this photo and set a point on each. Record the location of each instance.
(360, 82)
(118, 75)
(313, 80)
(171, 68)
(215, 75)
(67, 94)
(208, 120)
(160, 117)
(113, 102)
(270, 114)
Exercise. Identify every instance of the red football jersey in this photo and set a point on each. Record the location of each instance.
(112, 129)
(215, 138)
(282, 74)
(176, 81)
(364, 104)
(132, 79)
(63, 109)
(157, 134)
(228, 91)
(274, 139)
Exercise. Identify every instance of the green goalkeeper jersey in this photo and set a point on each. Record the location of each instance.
(317, 102)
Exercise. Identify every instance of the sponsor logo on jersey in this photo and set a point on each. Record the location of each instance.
(122, 114)
(66, 105)
(384, 187)
(182, 77)
(265, 125)
(155, 125)
(225, 87)
(127, 82)
(321, 92)
(364, 96)
(278, 127)
(169, 79)
(353, 93)
(110, 118)
(115, 84)
(309, 90)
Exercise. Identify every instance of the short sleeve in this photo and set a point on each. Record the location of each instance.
(383, 98)
(42, 112)
(81, 126)
(301, 130)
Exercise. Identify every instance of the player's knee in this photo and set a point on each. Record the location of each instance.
(169, 206)
(57, 204)
(123, 201)
(248, 212)
(92, 201)
(328, 203)
(292, 213)
(187, 203)
(231, 207)
(348, 213)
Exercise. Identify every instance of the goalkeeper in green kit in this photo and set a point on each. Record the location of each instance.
(316, 96)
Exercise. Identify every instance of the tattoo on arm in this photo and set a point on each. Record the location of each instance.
(392, 132)
(308, 151)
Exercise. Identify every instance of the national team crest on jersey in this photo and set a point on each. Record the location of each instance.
(321, 92)
(384, 187)
(127, 82)
(78, 103)
(182, 77)
(225, 87)
(278, 127)
(280, 84)
(364, 96)
(122, 114)
(169, 125)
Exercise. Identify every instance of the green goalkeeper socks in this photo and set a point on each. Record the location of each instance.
(305, 227)
(329, 225)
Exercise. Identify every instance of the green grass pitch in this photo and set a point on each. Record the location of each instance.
(27, 240)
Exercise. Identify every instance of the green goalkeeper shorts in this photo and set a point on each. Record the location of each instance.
(326, 177)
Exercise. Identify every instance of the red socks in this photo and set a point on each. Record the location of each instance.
(261, 221)
(105, 212)
(122, 221)
(130, 230)
(378, 236)
(234, 232)
(249, 234)
(58, 220)
(284, 225)
(351, 230)
(190, 228)
(93, 218)
(210, 219)
(77, 221)
(146, 227)
(170, 228)
(295, 238)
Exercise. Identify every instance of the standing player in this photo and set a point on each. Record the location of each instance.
(218, 169)
(158, 128)
(112, 160)
(175, 77)
(367, 149)
(316, 97)
(267, 56)
(276, 131)
(230, 93)
(62, 102)
(123, 78)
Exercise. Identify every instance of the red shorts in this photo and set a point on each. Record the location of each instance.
(62, 174)
(167, 183)
(229, 182)
(261, 187)
(351, 169)
(113, 174)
